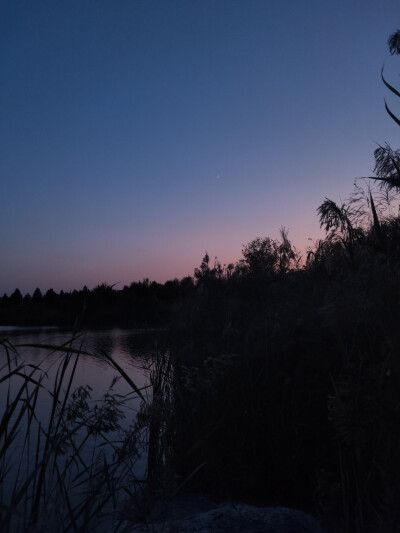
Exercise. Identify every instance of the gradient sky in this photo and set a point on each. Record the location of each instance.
(136, 134)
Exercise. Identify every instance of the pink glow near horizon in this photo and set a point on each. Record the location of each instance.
(135, 139)
(122, 269)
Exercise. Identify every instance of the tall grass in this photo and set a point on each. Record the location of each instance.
(71, 471)
(287, 392)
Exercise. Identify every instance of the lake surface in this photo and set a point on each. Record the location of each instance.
(132, 350)
(129, 348)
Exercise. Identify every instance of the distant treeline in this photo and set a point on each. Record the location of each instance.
(287, 384)
(140, 304)
(284, 387)
(286, 373)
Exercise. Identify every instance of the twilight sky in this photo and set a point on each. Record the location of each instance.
(136, 134)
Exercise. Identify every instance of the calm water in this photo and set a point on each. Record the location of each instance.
(132, 350)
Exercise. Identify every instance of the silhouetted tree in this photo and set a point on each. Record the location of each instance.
(187, 283)
(5, 300)
(50, 298)
(204, 270)
(27, 299)
(37, 296)
(16, 297)
(261, 255)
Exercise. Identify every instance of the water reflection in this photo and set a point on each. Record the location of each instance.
(130, 349)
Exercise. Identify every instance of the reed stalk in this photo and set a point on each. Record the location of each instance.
(48, 480)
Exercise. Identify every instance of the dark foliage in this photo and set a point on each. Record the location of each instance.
(287, 391)
(142, 304)
(394, 43)
(286, 378)
(394, 48)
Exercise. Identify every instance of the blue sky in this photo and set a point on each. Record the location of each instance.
(136, 134)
